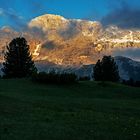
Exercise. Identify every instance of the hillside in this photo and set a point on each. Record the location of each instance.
(84, 111)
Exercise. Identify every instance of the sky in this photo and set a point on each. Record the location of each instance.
(123, 13)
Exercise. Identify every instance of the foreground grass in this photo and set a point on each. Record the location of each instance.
(85, 111)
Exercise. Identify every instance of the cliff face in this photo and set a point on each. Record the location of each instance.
(71, 42)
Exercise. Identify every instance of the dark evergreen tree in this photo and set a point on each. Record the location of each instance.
(18, 60)
(97, 71)
(106, 70)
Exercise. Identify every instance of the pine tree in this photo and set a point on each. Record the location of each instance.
(106, 70)
(97, 71)
(18, 60)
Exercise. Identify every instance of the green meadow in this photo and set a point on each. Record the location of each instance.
(83, 111)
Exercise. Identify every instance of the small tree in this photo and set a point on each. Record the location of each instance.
(18, 60)
(106, 70)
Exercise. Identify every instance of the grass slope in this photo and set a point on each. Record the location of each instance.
(86, 111)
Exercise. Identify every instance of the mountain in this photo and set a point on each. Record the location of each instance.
(74, 45)
(128, 68)
(70, 42)
(75, 42)
(67, 41)
(81, 71)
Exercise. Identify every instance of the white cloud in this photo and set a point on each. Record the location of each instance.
(12, 18)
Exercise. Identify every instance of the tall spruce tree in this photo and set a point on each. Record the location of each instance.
(98, 71)
(18, 60)
(106, 70)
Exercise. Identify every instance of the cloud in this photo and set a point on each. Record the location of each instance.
(124, 16)
(71, 30)
(18, 23)
(10, 16)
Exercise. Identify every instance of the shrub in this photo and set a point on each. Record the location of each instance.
(86, 78)
(55, 78)
(131, 82)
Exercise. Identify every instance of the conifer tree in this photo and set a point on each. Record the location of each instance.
(18, 60)
(97, 71)
(106, 70)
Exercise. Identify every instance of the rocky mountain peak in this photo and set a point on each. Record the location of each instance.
(72, 41)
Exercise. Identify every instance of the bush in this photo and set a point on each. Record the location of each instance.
(86, 78)
(55, 78)
(131, 82)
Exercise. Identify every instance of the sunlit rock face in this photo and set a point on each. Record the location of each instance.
(67, 41)
(62, 41)
(71, 41)
(7, 34)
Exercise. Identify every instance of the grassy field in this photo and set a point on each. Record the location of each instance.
(85, 111)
